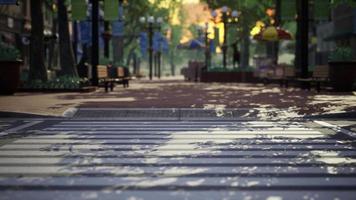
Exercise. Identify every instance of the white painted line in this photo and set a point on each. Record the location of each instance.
(336, 128)
(18, 128)
(70, 112)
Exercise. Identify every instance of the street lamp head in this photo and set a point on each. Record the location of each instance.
(159, 20)
(235, 14)
(151, 19)
(142, 19)
(214, 14)
(224, 9)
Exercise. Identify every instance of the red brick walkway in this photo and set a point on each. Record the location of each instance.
(180, 94)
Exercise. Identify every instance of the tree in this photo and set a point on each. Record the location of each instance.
(66, 55)
(250, 11)
(38, 70)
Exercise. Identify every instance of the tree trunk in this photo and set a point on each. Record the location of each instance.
(118, 49)
(38, 69)
(171, 60)
(302, 50)
(65, 46)
(52, 46)
(245, 48)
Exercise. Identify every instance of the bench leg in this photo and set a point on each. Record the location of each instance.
(318, 86)
(106, 86)
(111, 86)
(125, 83)
(281, 83)
(286, 84)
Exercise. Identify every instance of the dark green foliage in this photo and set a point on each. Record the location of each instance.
(222, 69)
(8, 52)
(341, 54)
(63, 82)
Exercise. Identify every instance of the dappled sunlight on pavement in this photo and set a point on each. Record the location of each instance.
(290, 102)
(178, 160)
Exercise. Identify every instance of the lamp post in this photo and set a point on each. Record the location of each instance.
(159, 22)
(95, 42)
(151, 25)
(227, 19)
(207, 50)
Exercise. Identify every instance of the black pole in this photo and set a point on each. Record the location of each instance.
(150, 50)
(75, 40)
(277, 24)
(159, 55)
(159, 63)
(224, 47)
(303, 23)
(106, 40)
(95, 42)
(155, 55)
(207, 53)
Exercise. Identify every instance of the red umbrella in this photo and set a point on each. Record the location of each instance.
(272, 33)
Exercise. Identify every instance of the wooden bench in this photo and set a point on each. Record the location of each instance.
(103, 77)
(289, 75)
(320, 75)
(280, 73)
(123, 76)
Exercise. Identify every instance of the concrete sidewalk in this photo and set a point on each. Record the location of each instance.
(293, 102)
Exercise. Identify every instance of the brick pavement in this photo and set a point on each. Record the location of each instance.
(180, 94)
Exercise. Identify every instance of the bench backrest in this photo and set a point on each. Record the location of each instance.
(120, 72)
(279, 71)
(321, 71)
(289, 72)
(102, 71)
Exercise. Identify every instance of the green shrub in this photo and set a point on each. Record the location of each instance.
(63, 82)
(8, 52)
(222, 69)
(341, 54)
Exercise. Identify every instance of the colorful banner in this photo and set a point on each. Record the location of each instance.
(164, 44)
(8, 2)
(79, 10)
(212, 46)
(85, 32)
(156, 42)
(143, 43)
(160, 43)
(321, 9)
(288, 9)
(111, 10)
(118, 28)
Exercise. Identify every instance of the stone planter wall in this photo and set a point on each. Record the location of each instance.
(228, 77)
(342, 75)
(9, 76)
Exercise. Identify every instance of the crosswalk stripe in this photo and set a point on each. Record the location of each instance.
(74, 156)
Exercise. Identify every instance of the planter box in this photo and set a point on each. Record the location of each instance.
(227, 77)
(47, 90)
(342, 75)
(9, 76)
